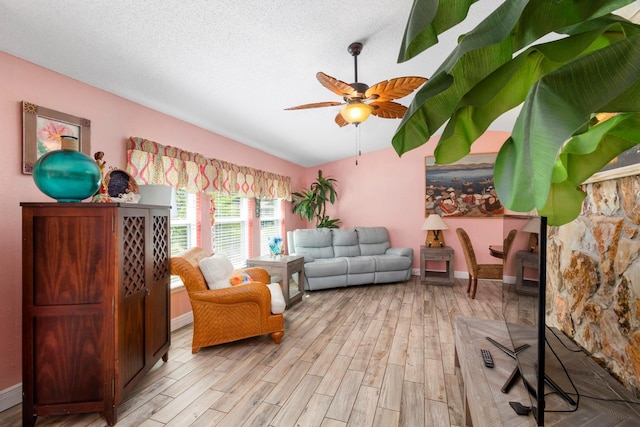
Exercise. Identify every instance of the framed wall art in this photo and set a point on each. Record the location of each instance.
(462, 189)
(41, 131)
(626, 164)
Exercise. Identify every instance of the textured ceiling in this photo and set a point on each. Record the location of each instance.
(231, 66)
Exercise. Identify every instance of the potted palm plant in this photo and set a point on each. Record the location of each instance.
(310, 204)
(565, 86)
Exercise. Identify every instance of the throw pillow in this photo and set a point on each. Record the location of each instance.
(217, 270)
(240, 277)
(277, 298)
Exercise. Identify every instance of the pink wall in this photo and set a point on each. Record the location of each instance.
(382, 190)
(113, 120)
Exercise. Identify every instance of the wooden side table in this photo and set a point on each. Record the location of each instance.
(290, 268)
(526, 259)
(436, 277)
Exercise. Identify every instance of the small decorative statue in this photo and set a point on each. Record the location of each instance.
(275, 246)
(101, 196)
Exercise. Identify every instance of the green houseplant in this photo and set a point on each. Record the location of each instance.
(311, 204)
(557, 141)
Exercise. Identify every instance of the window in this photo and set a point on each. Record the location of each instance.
(184, 223)
(231, 230)
(184, 226)
(270, 223)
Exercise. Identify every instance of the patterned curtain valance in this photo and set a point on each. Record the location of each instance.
(152, 163)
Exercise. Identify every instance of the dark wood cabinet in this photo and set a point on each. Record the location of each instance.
(96, 301)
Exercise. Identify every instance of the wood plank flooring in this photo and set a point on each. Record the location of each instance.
(379, 355)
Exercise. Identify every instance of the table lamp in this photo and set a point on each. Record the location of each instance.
(433, 225)
(533, 228)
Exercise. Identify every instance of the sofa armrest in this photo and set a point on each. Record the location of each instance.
(307, 257)
(408, 252)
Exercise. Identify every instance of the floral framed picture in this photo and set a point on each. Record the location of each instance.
(462, 189)
(42, 129)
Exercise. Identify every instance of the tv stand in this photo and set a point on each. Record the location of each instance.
(515, 374)
(484, 404)
(506, 350)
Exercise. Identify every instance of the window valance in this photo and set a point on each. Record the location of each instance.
(152, 163)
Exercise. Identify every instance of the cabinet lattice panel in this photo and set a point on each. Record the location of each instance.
(133, 254)
(160, 247)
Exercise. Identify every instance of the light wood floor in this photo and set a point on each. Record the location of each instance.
(379, 355)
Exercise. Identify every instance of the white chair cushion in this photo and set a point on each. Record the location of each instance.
(277, 298)
(217, 270)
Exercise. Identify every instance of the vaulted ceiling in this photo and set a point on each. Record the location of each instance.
(231, 66)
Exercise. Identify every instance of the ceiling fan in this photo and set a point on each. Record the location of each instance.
(360, 100)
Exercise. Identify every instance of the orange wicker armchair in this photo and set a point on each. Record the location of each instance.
(229, 314)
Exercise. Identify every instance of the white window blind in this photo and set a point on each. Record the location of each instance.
(230, 230)
(184, 223)
(184, 226)
(270, 223)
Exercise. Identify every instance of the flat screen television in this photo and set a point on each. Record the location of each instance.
(523, 304)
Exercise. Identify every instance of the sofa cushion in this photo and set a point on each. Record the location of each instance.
(345, 243)
(217, 270)
(373, 240)
(314, 241)
(392, 262)
(328, 282)
(326, 267)
(361, 264)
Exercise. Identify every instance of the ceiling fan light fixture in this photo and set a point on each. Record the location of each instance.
(380, 96)
(356, 112)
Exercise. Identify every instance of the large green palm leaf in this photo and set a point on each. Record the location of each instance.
(583, 156)
(559, 105)
(508, 86)
(563, 82)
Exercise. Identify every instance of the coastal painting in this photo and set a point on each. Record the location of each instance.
(462, 189)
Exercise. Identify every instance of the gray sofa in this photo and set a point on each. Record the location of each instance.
(337, 258)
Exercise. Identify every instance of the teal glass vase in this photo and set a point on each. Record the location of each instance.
(67, 175)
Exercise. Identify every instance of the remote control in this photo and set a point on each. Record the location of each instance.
(486, 357)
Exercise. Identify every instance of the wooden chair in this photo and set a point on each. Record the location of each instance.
(481, 271)
(229, 314)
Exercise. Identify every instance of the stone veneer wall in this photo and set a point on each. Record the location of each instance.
(593, 277)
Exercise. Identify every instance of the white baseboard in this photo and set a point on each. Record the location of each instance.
(456, 274)
(11, 396)
(180, 321)
(461, 274)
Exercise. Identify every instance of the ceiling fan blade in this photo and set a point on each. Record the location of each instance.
(340, 121)
(388, 110)
(395, 88)
(315, 105)
(336, 86)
